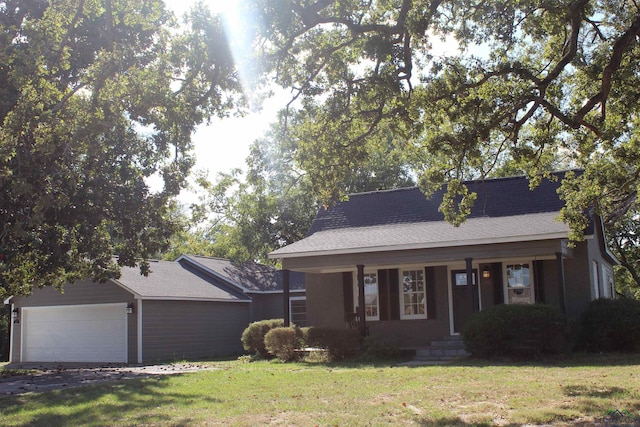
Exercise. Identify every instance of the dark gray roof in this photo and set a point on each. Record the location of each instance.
(499, 197)
(431, 234)
(172, 280)
(506, 210)
(249, 276)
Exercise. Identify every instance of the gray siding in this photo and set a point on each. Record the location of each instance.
(577, 273)
(325, 308)
(82, 292)
(176, 330)
(16, 341)
(325, 301)
(550, 280)
(414, 333)
(269, 306)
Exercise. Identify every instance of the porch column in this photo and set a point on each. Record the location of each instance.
(361, 311)
(472, 296)
(561, 286)
(285, 296)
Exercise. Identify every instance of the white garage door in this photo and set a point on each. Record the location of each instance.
(78, 333)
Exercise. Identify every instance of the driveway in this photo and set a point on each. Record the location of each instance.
(30, 378)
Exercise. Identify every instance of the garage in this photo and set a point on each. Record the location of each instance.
(75, 333)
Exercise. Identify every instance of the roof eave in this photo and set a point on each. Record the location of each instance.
(228, 280)
(176, 298)
(417, 246)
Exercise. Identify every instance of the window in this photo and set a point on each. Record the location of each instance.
(298, 311)
(371, 304)
(608, 281)
(413, 295)
(519, 283)
(595, 282)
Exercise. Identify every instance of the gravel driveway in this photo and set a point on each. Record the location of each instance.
(39, 378)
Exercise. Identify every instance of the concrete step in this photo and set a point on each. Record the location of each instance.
(448, 343)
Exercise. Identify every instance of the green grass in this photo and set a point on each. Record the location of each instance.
(247, 394)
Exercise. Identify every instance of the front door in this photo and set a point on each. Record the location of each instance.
(465, 300)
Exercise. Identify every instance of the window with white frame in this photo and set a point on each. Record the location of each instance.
(608, 281)
(595, 282)
(371, 299)
(519, 283)
(413, 294)
(298, 311)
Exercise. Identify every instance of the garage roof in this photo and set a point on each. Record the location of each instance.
(171, 280)
(251, 277)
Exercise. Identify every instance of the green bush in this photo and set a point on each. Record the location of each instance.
(253, 335)
(339, 343)
(375, 349)
(5, 319)
(609, 325)
(522, 331)
(283, 343)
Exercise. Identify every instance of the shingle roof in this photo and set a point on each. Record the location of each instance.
(172, 280)
(431, 234)
(496, 198)
(250, 276)
(505, 210)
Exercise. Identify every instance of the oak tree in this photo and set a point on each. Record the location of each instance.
(530, 84)
(96, 98)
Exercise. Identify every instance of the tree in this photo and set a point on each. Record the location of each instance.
(625, 242)
(245, 218)
(96, 97)
(526, 81)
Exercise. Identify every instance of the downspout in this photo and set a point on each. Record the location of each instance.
(361, 310)
(11, 334)
(139, 311)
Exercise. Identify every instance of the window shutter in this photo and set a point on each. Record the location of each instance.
(347, 294)
(383, 294)
(538, 277)
(394, 294)
(498, 286)
(430, 278)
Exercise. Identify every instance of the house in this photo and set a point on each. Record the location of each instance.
(390, 258)
(261, 283)
(191, 308)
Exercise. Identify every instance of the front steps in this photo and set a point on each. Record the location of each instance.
(441, 351)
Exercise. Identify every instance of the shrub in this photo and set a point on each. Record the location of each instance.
(375, 349)
(609, 325)
(5, 319)
(283, 343)
(508, 330)
(253, 335)
(339, 343)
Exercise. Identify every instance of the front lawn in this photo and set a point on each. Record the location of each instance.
(249, 394)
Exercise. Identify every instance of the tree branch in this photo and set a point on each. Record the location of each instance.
(619, 48)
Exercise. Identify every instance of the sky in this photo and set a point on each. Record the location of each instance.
(223, 144)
